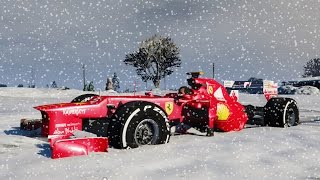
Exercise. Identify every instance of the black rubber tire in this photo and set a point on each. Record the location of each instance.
(249, 109)
(122, 128)
(83, 98)
(281, 112)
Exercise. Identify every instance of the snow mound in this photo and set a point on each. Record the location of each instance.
(287, 89)
(306, 90)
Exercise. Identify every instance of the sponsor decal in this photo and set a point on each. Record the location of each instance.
(219, 95)
(269, 84)
(246, 84)
(58, 132)
(270, 88)
(73, 111)
(169, 107)
(228, 83)
(61, 125)
(70, 130)
(66, 128)
(234, 93)
(223, 112)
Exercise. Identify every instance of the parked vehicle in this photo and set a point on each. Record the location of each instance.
(133, 121)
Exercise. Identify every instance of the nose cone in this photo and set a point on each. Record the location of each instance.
(57, 106)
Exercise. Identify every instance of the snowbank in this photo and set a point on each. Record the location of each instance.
(306, 90)
(262, 152)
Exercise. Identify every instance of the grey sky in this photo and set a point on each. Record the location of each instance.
(268, 39)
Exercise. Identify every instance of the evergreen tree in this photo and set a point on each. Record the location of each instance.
(312, 68)
(116, 82)
(90, 87)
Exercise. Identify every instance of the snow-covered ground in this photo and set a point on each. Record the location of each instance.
(253, 153)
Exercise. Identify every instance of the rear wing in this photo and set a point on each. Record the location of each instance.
(266, 87)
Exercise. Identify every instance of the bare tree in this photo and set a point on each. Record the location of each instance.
(312, 68)
(155, 59)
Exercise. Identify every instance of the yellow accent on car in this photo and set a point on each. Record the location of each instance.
(80, 103)
(210, 90)
(168, 107)
(223, 112)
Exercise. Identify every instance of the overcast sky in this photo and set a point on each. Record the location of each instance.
(269, 39)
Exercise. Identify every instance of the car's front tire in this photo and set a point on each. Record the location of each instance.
(138, 123)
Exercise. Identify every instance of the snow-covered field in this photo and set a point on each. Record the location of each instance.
(254, 153)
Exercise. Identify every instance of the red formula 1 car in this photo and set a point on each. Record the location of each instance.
(132, 121)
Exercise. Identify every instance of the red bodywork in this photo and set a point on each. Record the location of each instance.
(222, 112)
(64, 146)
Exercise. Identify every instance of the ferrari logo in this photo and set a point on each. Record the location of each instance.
(210, 90)
(169, 107)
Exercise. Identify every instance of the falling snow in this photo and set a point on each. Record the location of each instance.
(270, 39)
(42, 41)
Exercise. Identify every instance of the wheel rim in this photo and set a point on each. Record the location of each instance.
(291, 117)
(147, 132)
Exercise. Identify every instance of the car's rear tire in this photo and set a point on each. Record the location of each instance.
(281, 112)
(83, 98)
(138, 123)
